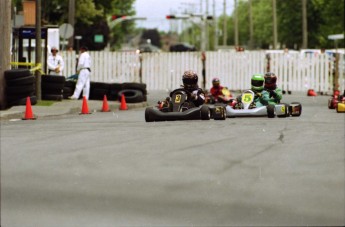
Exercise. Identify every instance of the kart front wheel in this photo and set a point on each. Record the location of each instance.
(205, 113)
(148, 114)
(270, 111)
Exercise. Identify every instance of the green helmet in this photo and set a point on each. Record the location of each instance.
(258, 82)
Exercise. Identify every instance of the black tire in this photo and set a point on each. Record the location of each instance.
(53, 79)
(98, 94)
(52, 97)
(219, 113)
(52, 87)
(135, 86)
(270, 111)
(99, 85)
(16, 73)
(148, 117)
(205, 113)
(22, 101)
(25, 89)
(114, 90)
(330, 106)
(21, 81)
(70, 83)
(15, 97)
(294, 104)
(131, 96)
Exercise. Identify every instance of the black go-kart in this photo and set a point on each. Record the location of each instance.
(179, 108)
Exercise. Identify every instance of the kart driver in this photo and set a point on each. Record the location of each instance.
(257, 86)
(190, 84)
(260, 98)
(275, 94)
(216, 89)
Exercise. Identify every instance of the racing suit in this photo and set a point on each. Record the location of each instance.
(197, 96)
(216, 91)
(274, 95)
(83, 83)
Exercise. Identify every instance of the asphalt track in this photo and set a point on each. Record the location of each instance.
(114, 169)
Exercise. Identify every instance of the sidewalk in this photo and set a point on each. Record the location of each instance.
(64, 107)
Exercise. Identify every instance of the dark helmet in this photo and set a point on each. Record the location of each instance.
(215, 82)
(257, 82)
(270, 81)
(190, 79)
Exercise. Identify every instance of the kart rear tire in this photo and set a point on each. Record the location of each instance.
(221, 115)
(205, 113)
(330, 104)
(300, 109)
(148, 116)
(270, 111)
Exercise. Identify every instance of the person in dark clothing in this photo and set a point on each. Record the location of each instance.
(190, 84)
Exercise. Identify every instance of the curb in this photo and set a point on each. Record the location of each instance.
(63, 108)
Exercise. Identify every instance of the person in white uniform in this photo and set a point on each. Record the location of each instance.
(83, 71)
(55, 62)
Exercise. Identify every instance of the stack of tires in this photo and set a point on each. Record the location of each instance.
(52, 87)
(133, 92)
(68, 88)
(20, 84)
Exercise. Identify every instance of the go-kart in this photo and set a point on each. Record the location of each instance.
(340, 107)
(225, 97)
(335, 99)
(247, 108)
(178, 107)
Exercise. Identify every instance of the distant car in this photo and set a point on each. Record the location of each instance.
(148, 48)
(181, 47)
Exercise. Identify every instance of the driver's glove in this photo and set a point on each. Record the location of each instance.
(259, 94)
(273, 94)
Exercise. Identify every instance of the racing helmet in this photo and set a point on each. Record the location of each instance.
(257, 82)
(215, 82)
(270, 81)
(190, 79)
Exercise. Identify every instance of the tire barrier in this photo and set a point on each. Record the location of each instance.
(20, 84)
(131, 95)
(52, 87)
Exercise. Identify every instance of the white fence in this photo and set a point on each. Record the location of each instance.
(164, 70)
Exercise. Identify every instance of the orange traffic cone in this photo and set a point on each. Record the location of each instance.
(105, 107)
(28, 112)
(123, 103)
(85, 108)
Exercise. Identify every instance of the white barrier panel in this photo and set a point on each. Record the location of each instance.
(163, 71)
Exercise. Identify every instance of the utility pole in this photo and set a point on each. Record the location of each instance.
(225, 26)
(5, 44)
(38, 49)
(236, 24)
(304, 24)
(275, 34)
(206, 28)
(251, 32)
(71, 21)
(215, 26)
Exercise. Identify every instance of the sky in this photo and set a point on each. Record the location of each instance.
(156, 10)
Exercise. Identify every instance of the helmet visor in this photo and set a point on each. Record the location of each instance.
(257, 83)
(190, 81)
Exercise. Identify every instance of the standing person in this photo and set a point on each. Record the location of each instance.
(55, 62)
(83, 71)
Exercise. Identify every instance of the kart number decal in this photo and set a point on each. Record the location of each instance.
(247, 98)
(178, 99)
(283, 108)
